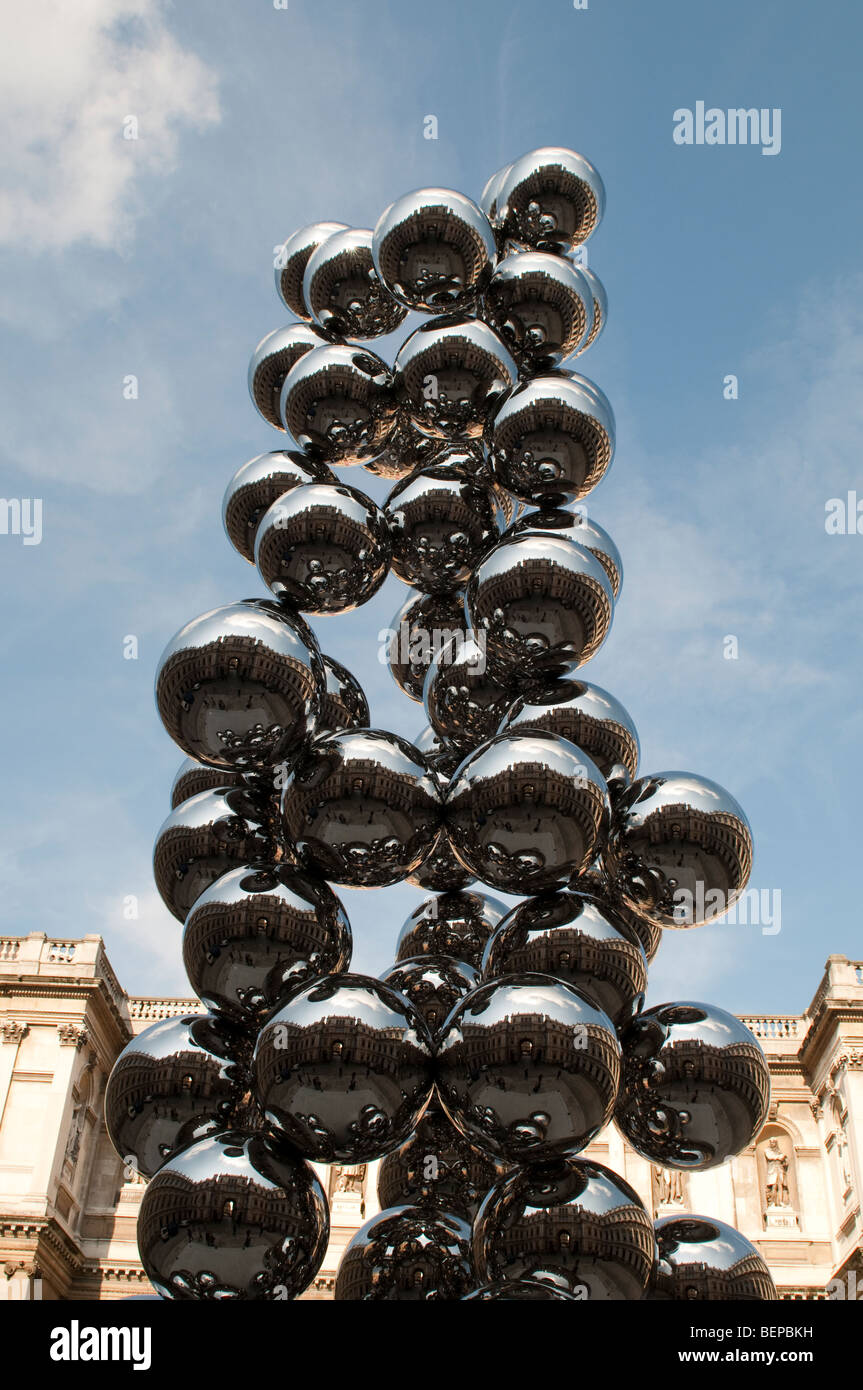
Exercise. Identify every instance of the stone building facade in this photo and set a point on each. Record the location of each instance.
(68, 1209)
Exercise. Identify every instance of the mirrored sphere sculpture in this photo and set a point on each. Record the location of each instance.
(203, 838)
(406, 449)
(442, 521)
(600, 307)
(586, 715)
(453, 924)
(341, 287)
(343, 1070)
(424, 624)
(437, 1167)
(595, 882)
(338, 404)
(272, 360)
(576, 526)
(552, 440)
(343, 701)
(193, 777)
(434, 250)
(701, 1258)
(519, 1291)
(433, 984)
(450, 373)
(293, 258)
(257, 485)
(465, 695)
(441, 871)
(407, 1254)
(442, 756)
(541, 306)
(551, 199)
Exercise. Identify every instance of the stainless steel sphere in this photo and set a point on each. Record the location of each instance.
(338, 404)
(442, 756)
(407, 1254)
(193, 777)
(406, 450)
(272, 360)
(573, 1225)
(450, 373)
(701, 1259)
(680, 849)
(257, 485)
(203, 838)
(424, 624)
(525, 811)
(259, 932)
(600, 308)
(528, 1068)
(433, 984)
(586, 715)
(576, 527)
(568, 935)
(240, 687)
(442, 521)
(343, 291)
(551, 199)
(543, 602)
(695, 1086)
(291, 264)
(434, 250)
(541, 306)
(551, 441)
(362, 808)
(595, 882)
(489, 201)
(454, 924)
(519, 1291)
(323, 548)
(343, 1070)
(236, 1216)
(343, 702)
(437, 1167)
(441, 871)
(179, 1080)
(465, 694)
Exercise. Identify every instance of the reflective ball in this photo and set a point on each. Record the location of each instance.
(343, 291)
(680, 849)
(454, 924)
(569, 936)
(466, 696)
(450, 373)
(239, 687)
(600, 307)
(257, 485)
(519, 1291)
(434, 250)
(528, 1068)
(442, 521)
(437, 1167)
(489, 201)
(177, 1081)
(576, 526)
(551, 200)
(343, 703)
(406, 450)
(433, 984)
(343, 1069)
(293, 259)
(543, 602)
(236, 1216)
(541, 306)
(202, 839)
(442, 756)
(424, 624)
(362, 808)
(272, 360)
(338, 404)
(586, 715)
(552, 440)
(573, 1225)
(193, 777)
(407, 1254)
(695, 1086)
(260, 932)
(526, 811)
(595, 882)
(441, 871)
(701, 1258)
(324, 548)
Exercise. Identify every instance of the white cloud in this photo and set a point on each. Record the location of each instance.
(70, 75)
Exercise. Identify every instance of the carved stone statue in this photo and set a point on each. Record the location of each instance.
(776, 1188)
(350, 1178)
(668, 1186)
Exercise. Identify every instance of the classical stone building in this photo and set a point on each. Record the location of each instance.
(68, 1208)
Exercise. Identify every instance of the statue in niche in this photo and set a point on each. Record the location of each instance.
(350, 1178)
(776, 1188)
(668, 1185)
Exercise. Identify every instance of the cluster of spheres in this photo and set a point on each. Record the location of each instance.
(500, 1042)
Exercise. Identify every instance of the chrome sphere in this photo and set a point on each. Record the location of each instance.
(406, 450)
(433, 984)
(407, 1254)
(450, 373)
(362, 808)
(179, 1080)
(552, 440)
(701, 1258)
(257, 485)
(294, 258)
(236, 1216)
(528, 1068)
(272, 360)
(519, 1291)
(543, 602)
(205, 836)
(586, 715)
(193, 777)
(240, 687)
(525, 811)
(323, 548)
(600, 308)
(573, 1225)
(595, 882)
(568, 935)
(442, 521)
(343, 1070)
(695, 1086)
(465, 694)
(455, 924)
(342, 289)
(338, 404)
(437, 1167)
(551, 200)
(680, 849)
(434, 250)
(576, 527)
(343, 703)
(442, 756)
(540, 306)
(260, 932)
(424, 624)
(441, 871)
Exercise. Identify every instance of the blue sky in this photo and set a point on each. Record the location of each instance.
(153, 258)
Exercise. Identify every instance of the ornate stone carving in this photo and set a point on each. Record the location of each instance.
(72, 1034)
(668, 1187)
(777, 1192)
(12, 1031)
